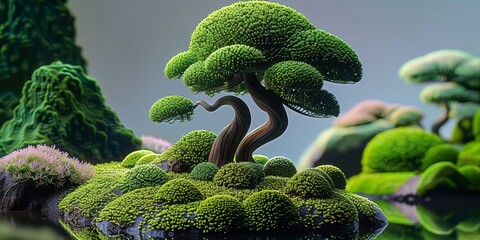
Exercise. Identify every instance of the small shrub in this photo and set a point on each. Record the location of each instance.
(204, 171)
(144, 176)
(259, 174)
(280, 166)
(132, 158)
(338, 177)
(219, 213)
(270, 210)
(309, 183)
(46, 165)
(178, 191)
(261, 159)
(236, 175)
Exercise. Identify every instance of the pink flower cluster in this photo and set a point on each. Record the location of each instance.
(155, 144)
(45, 166)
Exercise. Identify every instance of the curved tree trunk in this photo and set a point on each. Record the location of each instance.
(442, 119)
(224, 147)
(275, 125)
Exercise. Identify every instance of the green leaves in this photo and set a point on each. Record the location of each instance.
(177, 65)
(171, 109)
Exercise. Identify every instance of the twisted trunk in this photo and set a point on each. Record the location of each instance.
(275, 125)
(224, 147)
(442, 119)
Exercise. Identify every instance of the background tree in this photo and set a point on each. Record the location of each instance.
(271, 52)
(171, 108)
(458, 72)
(32, 33)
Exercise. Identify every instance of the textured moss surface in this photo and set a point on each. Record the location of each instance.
(261, 159)
(171, 108)
(220, 213)
(439, 153)
(32, 34)
(204, 171)
(144, 176)
(397, 150)
(63, 106)
(337, 176)
(131, 159)
(236, 175)
(178, 191)
(279, 166)
(309, 184)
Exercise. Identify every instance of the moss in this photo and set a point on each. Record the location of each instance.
(178, 64)
(309, 184)
(178, 217)
(125, 209)
(270, 210)
(280, 166)
(132, 158)
(220, 213)
(192, 149)
(171, 108)
(178, 191)
(144, 176)
(236, 175)
(368, 211)
(89, 199)
(337, 176)
(470, 154)
(441, 175)
(335, 214)
(472, 173)
(234, 58)
(198, 79)
(397, 150)
(439, 153)
(261, 159)
(204, 171)
(259, 174)
(147, 159)
(378, 183)
(272, 183)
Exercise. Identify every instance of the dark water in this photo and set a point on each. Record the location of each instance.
(443, 218)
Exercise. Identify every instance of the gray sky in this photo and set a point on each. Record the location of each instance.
(127, 44)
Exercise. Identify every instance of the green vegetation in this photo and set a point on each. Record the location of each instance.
(398, 150)
(204, 171)
(236, 175)
(378, 183)
(171, 108)
(144, 176)
(146, 159)
(337, 176)
(438, 153)
(178, 191)
(63, 106)
(470, 154)
(261, 159)
(309, 183)
(220, 213)
(279, 166)
(131, 159)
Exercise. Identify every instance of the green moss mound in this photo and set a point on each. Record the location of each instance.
(204, 171)
(236, 175)
(309, 183)
(192, 149)
(63, 106)
(146, 159)
(178, 191)
(131, 159)
(260, 159)
(220, 213)
(438, 153)
(368, 211)
(32, 34)
(441, 176)
(398, 150)
(270, 210)
(337, 176)
(144, 176)
(280, 166)
(470, 154)
(259, 174)
(378, 183)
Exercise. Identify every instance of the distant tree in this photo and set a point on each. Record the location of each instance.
(271, 52)
(458, 72)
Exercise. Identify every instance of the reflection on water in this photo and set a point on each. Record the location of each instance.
(442, 218)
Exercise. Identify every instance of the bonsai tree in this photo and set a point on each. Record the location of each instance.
(238, 49)
(32, 33)
(458, 72)
(172, 108)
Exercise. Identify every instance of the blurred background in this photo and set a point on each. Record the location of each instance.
(127, 44)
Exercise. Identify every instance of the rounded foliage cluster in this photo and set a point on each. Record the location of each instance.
(310, 183)
(439, 153)
(147, 159)
(280, 166)
(398, 150)
(219, 213)
(46, 166)
(234, 58)
(337, 176)
(261, 159)
(257, 168)
(236, 175)
(470, 154)
(144, 176)
(178, 64)
(131, 159)
(269, 210)
(178, 191)
(204, 171)
(171, 108)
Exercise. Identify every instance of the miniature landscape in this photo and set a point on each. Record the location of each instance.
(66, 153)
